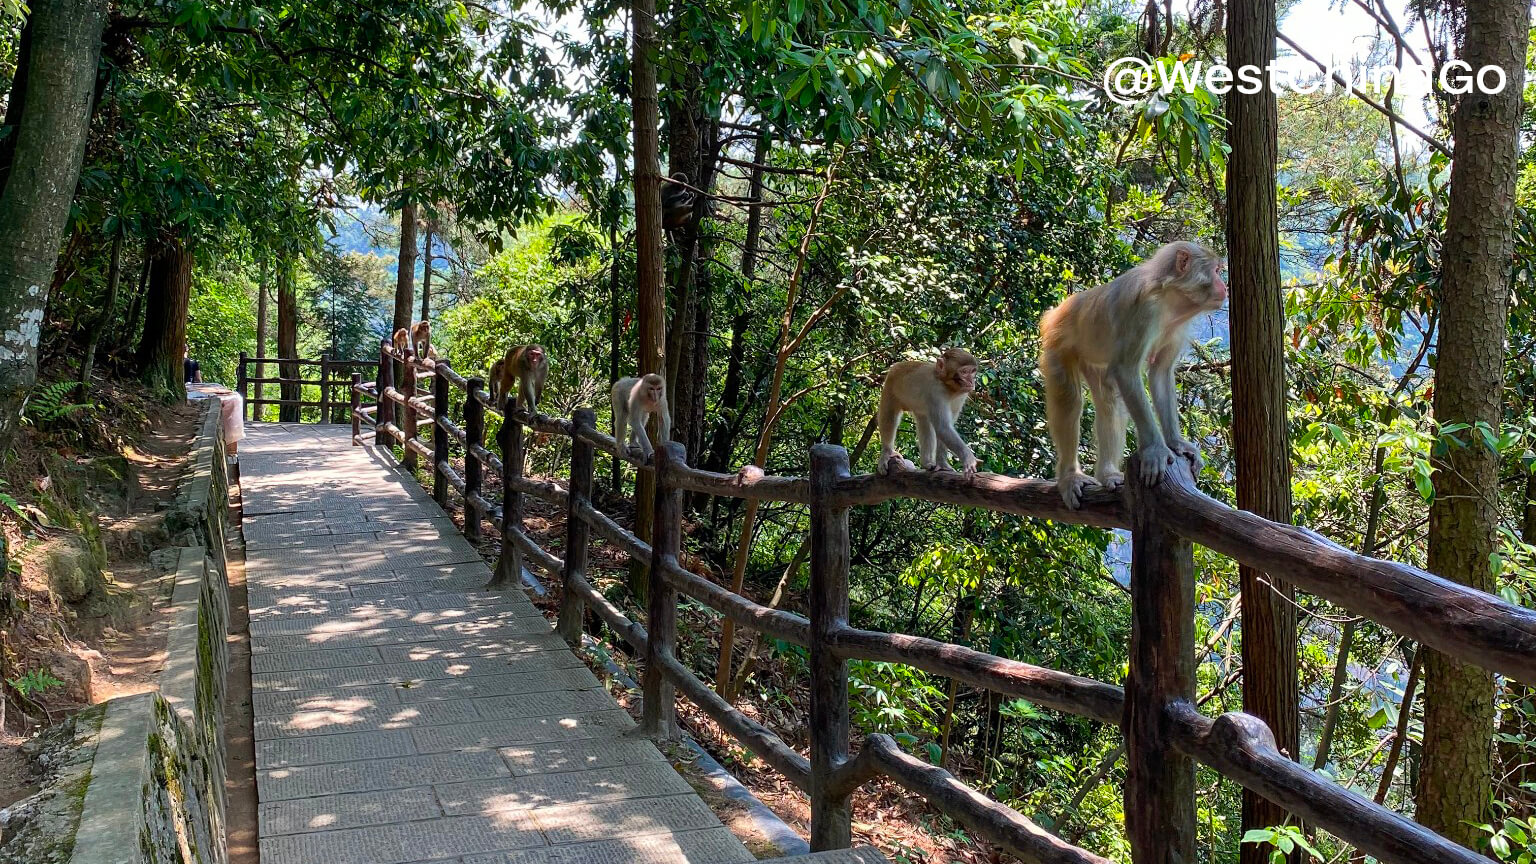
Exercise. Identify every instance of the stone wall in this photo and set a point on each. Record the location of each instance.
(158, 773)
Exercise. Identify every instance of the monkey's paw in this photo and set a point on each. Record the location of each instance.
(1072, 486)
(1109, 478)
(1189, 451)
(895, 460)
(970, 466)
(1153, 460)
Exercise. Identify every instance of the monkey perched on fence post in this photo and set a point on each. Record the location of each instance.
(1104, 337)
(528, 366)
(634, 400)
(402, 341)
(934, 393)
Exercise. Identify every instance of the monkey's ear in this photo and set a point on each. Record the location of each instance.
(1181, 261)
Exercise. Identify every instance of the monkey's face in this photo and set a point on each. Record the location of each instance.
(654, 393)
(535, 357)
(1201, 278)
(957, 369)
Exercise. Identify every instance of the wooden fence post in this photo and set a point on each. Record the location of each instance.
(1159, 781)
(509, 567)
(577, 532)
(474, 433)
(385, 409)
(440, 451)
(242, 386)
(408, 417)
(659, 711)
(831, 814)
(325, 390)
(355, 398)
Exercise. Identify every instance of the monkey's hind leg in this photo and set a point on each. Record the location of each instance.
(1109, 420)
(928, 452)
(888, 418)
(1064, 416)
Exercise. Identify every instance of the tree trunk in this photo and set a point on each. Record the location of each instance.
(1260, 434)
(56, 78)
(261, 335)
(164, 343)
(1456, 775)
(405, 276)
(288, 342)
(649, 255)
(426, 275)
(617, 466)
(114, 280)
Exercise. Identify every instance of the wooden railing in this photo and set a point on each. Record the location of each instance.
(329, 375)
(1165, 734)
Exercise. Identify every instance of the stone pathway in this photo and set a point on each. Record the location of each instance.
(404, 715)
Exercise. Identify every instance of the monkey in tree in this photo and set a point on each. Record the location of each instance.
(676, 203)
(934, 393)
(528, 366)
(1105, 337)
(634, 401)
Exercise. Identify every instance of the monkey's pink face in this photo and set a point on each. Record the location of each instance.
(1218, 285)
(653, 393)
(535, 357)
(966, 375)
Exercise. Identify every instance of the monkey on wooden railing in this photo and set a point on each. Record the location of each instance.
(1105, 337)
(634, 400)
(527, 366)
(934, 393)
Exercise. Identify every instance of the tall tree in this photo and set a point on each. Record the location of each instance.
(405, 277)
(650, 257)
(1455, 775)
(1260, 436)
(49, 113)
(164, 342)
(426, 273)
(288, 340)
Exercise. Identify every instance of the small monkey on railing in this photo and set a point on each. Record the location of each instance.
(402, 341)
(934, 393)
(634, 401)
(528, 366)
(1105, 337)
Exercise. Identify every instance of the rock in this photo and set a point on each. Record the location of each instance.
(40, 829)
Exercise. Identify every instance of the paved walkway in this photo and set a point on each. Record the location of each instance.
(402, 714)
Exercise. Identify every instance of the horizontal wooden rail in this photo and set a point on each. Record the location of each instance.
(1072, 694)
(794, 490)
(301, 361)
(1020, 496)
(1001, 825)
(776, 623)
(754, 735)
(1460, 621)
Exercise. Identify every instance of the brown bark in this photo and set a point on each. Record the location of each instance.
(426, 275)
(650, 258)
(405, 275)
(1456, 773)
(164, 343)
(56, 79)
(261, 329)
(288, 339)
(1260, 434)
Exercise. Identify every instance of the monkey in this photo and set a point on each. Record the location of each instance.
(1105, 337)
(634, 401)
(421, 340)
(676, 203)
(934, 393)
(528, 365)
(402, 340)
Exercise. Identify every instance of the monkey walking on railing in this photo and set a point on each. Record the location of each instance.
(527, 366)
(934, 393)
(1105, 337)
(634, 400)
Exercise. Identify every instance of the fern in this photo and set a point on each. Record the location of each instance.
(48, 404)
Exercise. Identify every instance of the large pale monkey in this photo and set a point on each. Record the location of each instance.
(421, 340)
(934, 393)
(1104, 337)
(527, 366)
(634, 400)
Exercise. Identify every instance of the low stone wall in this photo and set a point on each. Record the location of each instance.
(158, 774)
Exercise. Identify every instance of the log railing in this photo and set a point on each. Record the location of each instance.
(1165, 733)
(328, 375)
